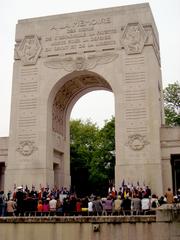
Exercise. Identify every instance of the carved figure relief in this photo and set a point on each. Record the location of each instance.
(133, 38)
(80, 62)
(26, 148)
(29, 50)
(137, 141)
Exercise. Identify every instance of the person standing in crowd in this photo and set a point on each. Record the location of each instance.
(154, 201)
(59, 208)
(147, 192)
(90, 207)
(97, 206)
(136, 204)
(11, 207)
(108, 204)
(20, 196)
(52, 205)
(46, 206)
(34, 193)
(72, 204)
(40, 206)
(113, 193)
(169, 196)
(126, 205)
(45, 194)
(78, 206)
(29, 204)
(178, 195)
(2, 204)
(117, 205)
(145, 205)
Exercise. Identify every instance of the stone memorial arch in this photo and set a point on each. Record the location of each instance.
(60, 58)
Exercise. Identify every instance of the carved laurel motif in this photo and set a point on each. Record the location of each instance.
(137, 141)
(29, 50)
(26, 148)
(80, 62)
(133, 38)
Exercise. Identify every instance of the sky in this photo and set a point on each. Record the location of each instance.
(97, 106)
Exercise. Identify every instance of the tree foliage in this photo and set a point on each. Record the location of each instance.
(92, 156)
(82, 145)
(172, 104)
(103, 162)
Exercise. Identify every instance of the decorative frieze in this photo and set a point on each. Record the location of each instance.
(61, 42)
(79, 63)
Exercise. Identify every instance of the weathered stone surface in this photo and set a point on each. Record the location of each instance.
(80, 219)
(60, 58)
(111, 227)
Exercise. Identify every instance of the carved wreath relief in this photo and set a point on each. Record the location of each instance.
(26, 148)
(137, 141)
(29, 50)
(133, 38)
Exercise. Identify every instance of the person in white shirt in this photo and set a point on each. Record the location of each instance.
(145, 205)
(52, 204)
(90, 208)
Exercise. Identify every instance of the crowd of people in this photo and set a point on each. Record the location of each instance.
(128, 200)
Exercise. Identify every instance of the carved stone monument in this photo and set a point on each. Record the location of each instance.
(60, 58)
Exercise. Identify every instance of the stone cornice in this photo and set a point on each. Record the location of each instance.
(3, 152)
(170, 143)
(80, 219)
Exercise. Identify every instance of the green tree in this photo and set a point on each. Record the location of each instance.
(103, 162)
(172, 104)
(92, 156)
(83, 137)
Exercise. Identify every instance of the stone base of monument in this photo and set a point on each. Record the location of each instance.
(165, 225)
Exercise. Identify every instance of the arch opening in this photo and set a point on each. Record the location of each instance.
(92, 145)
(96, 106)
(64, 100)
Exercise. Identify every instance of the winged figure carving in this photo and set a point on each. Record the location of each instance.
(80, 62)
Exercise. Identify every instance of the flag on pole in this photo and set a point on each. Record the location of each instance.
(123, 183)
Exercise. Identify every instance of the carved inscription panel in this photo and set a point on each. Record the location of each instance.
(136, 112)
(79, 36)
(84, 36)
(27, 119)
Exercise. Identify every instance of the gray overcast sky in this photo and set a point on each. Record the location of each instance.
(100, 104)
